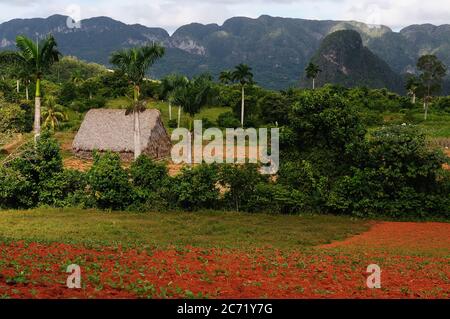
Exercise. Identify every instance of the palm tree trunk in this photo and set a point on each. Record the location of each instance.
(179, 116)
(18, 86)
(170, 110)
(27, 94)
(137, 135)
(314, 83)
(37, 109)
(414, 98)
(243, 106)
(137, 126)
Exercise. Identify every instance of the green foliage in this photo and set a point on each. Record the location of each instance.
(15, 189)
(325, 129)
(148, 174)
(274, 108)
(195, 188)
(400, 177)
(109, 184)
(63, 70)
(228, 120)
(37, 164)
(15, 118)
(240, 183)
(59, 190)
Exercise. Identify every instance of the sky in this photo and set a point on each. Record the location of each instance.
(171, 14)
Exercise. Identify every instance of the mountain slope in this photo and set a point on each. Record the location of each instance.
(344, 60)
(278, 49)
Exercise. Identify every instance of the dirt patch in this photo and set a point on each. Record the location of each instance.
(420, 237)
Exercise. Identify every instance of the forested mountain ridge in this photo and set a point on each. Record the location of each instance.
(278, 49)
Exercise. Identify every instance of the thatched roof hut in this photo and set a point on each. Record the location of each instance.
(111, 130)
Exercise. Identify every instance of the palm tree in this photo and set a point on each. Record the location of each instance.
(77, 77)
(52, 113)
(413, 86)
(134, 63)
(26, 79)
(36, 59)
(168, 86)
(226, 77)
(194, 95)
(242, 74)
(312, 70)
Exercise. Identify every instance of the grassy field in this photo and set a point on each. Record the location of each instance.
(436, 126)
(202, 229)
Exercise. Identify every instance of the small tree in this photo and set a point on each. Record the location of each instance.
(52, 113)
(134, 63)
(432, 72)
(312, 70)
(35, 59)
(413, 86)
(244, 76)
(168, 86)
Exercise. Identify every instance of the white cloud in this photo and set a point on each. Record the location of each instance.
(171, 14)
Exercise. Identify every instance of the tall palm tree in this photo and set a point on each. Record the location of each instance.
(36, 59)
(226, 77)
(312, 70)
(52, 113)
(134, 63)
(168, 86)
(244, 76)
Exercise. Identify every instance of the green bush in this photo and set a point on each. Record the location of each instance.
(240, 182)
(400, 177)
(15, 189)
(228, 120)
(39, 163)
(277, 198)
(61, 188)
(195, 188)
(109, 186)
(15, 118)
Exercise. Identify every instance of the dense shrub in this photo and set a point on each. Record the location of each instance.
(240, 183)
(400, 177)
(228, 120)
(38, 163)
(109, 184)
(84, 105)
(274, 109)
(59, 190)
(442, 104)
(15, 118)
(15, 189)
(195, 188)
(323, 129)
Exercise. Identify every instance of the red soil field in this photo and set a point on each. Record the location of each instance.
(338, 270)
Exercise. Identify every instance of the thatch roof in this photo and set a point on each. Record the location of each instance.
(112, 130)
